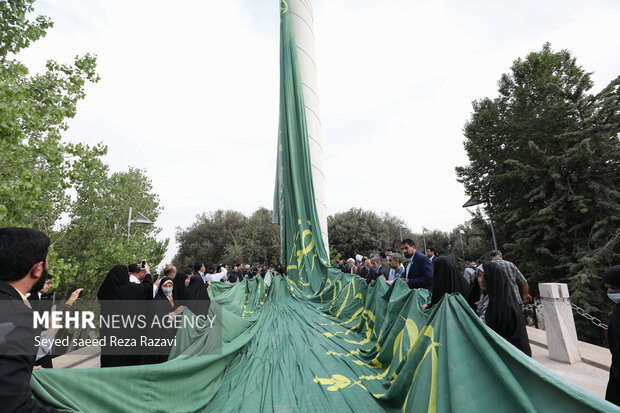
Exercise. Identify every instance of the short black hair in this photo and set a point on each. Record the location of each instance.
(212, 269)
(20, 250)
(408, 241)
(431, 249)
(382, 255)
(468, 258)
(134, 268)
(198, 266)
(188, 271)
(495, 253)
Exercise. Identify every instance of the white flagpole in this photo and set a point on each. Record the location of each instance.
(303, 28)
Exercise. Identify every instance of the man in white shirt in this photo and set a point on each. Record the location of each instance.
(221, 275)
(137, 273)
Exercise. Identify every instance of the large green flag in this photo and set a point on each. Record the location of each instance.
(303, 252)
(351, 347)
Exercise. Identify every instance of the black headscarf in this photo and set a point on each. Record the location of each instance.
(178, 291)
(446, 279)
(504, 314)
(612, 277)
(160, 293)
(110, 288)
(193, 295)
(160, 307)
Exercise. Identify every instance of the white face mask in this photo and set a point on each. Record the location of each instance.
(167, 291)
(614, 296)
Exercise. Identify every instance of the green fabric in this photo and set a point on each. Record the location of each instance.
(303, 251)
(349, 347)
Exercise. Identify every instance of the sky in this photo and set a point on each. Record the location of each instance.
(189, 93)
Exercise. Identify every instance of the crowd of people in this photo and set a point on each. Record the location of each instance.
(223, 272)
(495, 290)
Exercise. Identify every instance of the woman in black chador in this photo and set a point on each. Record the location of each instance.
(611, 278)
(446, 279)
(163, 329)
(503, 313)
(191, 291)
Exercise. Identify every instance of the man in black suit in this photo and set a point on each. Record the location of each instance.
(419, 270)
(23, 267)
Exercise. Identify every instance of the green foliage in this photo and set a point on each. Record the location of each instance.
(260, 238)
(478, 238)
(16, 31)
(361, 232)
(35, 166)
(396, 228)
(357, 231)
(334, 255)
(210, 237)
(545, 154)
(37, 169)
(229, 237)
(96, 237)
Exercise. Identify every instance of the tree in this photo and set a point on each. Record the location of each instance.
(37, 169)
(396, 227)
(357, 232)
(229, 237)
(478, 238)
(96, 238)
(35, 166)
(436, 239)
(207, 239)
(260, 238)
(545, 155)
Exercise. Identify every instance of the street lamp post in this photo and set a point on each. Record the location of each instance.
(472, 202)
(461, 232)
(493, 232)
(141, 219)
(424, 237)
(400, 229)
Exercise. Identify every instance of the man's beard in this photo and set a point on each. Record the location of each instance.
(408, 255)
(40, 282)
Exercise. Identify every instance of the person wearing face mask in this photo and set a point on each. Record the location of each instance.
(611, 278)
(164, 308)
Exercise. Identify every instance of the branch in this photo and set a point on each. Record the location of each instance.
(611, 241)
(19, 163)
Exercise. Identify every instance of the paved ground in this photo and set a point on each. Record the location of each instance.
(584, 375)
(592, 373)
